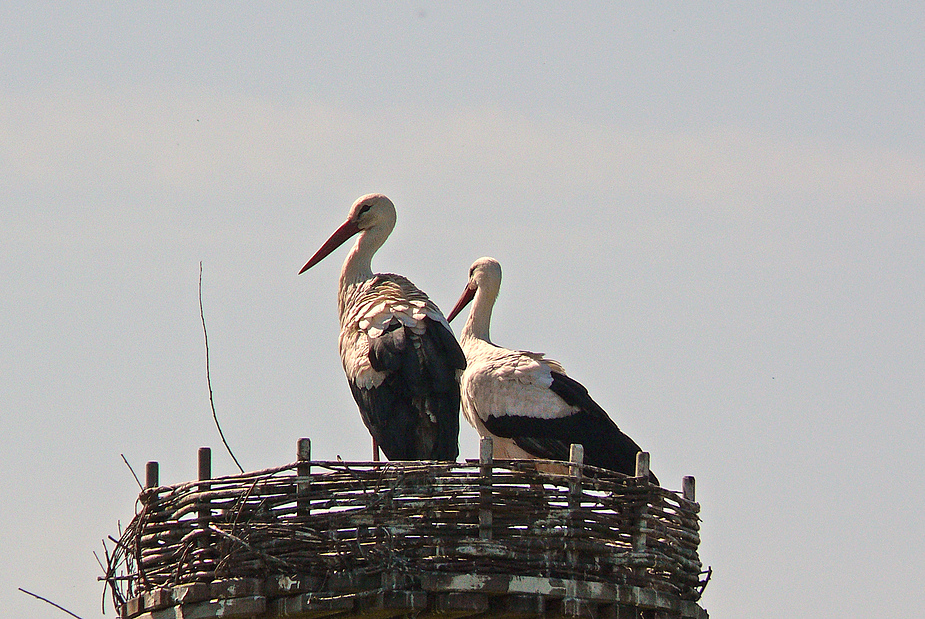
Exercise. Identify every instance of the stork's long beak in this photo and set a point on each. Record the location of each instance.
(464, 299)
(346, 230)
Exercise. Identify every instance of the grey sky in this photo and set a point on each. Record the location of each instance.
(713, 216)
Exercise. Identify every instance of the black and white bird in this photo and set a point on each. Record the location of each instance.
(401, 358)
(525, 402)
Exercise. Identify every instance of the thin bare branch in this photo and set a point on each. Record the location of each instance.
(106, 573)
(208, 374)
(46, 600)
(137, 481)
(97, 557)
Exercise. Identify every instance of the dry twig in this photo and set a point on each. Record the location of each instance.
(46, 600)
(137, 481)
(208, 375)
(366, 517)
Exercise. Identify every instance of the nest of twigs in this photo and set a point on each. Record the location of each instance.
(319, 519)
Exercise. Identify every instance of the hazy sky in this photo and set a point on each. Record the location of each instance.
(712, 215)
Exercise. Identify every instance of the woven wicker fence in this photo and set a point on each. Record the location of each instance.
(320, 519)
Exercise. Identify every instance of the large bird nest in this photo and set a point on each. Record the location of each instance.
(324, 521)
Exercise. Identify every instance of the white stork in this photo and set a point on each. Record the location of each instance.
(524, 401)
(401, 358)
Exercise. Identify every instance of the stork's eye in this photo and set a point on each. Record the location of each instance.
(365, 208)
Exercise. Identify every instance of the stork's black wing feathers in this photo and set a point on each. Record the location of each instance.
(447, 345)
(605, 445)
(414, 413)
(386, 351)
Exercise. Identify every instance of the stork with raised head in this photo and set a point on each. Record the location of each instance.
(401, 358)
(524, 401)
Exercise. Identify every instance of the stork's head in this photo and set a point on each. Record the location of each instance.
(373, 210)
(373, 213)
(484, 275)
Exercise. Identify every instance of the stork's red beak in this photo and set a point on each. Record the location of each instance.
(464, 299)
(346, 230)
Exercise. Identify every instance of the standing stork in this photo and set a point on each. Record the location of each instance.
(524, 401)
(401, 358)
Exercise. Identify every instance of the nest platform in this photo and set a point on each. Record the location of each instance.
(502, 538)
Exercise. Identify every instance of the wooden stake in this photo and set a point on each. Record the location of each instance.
(304, 471)
(576, 458)
(642, 464)
(151, 474)
(486, 462)
(642, 470)
(688, 488)
(205, 472)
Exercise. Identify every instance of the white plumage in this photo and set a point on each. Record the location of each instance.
(525, 401)
(399, 354)
(368, 309)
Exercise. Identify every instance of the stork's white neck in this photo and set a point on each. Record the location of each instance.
(478, 325)
(358, 265)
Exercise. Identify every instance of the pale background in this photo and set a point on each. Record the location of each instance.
(712, 213)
